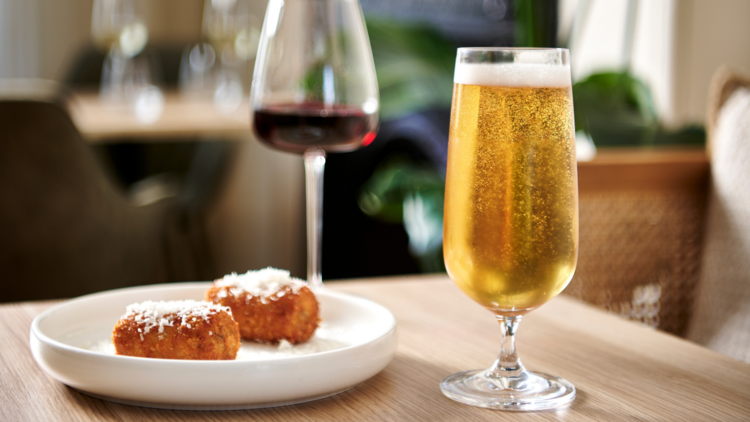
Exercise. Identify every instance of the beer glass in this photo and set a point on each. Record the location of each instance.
(314, 91)
(511, 207)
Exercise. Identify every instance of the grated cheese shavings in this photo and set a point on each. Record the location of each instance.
(261, 283)
(160, 314)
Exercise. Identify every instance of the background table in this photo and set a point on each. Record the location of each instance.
(182, 117)
(623, 371)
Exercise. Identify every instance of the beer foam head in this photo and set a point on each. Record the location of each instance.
(512, 75)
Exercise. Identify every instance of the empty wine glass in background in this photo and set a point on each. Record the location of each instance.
(142, 92)
(128, 80)
(118, 28)
(231, 28)
(131, 85)
(214, 70)
(314, 91)
(229, 90)
(196, 71)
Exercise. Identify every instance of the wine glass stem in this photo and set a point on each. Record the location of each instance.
(315, 161)
(507, 364)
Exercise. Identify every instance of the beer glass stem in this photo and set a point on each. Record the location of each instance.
(507, 367)
(315, 161)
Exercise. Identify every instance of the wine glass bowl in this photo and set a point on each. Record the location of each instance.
(118, 28)
(229, 25)
(298, 127)
(127, 81)
(314, 91)
(511, 207)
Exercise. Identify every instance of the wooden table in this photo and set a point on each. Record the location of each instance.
(100, 122)
(623, 371)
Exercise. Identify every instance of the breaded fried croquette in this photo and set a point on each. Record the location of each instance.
(177, 330)
(269, 305)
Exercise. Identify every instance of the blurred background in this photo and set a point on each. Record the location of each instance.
(641, 71)
(677, 43)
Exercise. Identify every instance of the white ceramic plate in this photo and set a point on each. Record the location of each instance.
(356, 340)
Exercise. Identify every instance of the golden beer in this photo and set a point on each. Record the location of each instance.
(510, 239)
(511, 196)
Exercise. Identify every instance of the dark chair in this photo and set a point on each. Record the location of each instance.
(66, 228)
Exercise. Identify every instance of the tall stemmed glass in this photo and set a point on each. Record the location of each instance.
(117, 28)
(231, 28)
(314, 91)
(511, 207)
(232, 32)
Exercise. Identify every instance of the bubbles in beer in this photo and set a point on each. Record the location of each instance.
(511, 217)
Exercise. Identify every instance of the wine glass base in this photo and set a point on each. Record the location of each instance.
(531, 391)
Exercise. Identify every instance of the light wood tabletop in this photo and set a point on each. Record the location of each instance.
(622, 370)
(181, 118)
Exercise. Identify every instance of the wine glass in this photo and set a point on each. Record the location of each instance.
(314, 91)
(230, 27)
(118, 28)
(233, 31)
(511, 207)
(196, 66)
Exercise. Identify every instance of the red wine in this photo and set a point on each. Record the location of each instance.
(299, 127)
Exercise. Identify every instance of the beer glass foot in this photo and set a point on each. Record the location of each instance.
(526, 392)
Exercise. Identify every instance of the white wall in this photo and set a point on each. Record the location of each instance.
(18, 37)
(40, 38)
(600, 43)
(678, 45)
(708, 34)
(64, 28)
